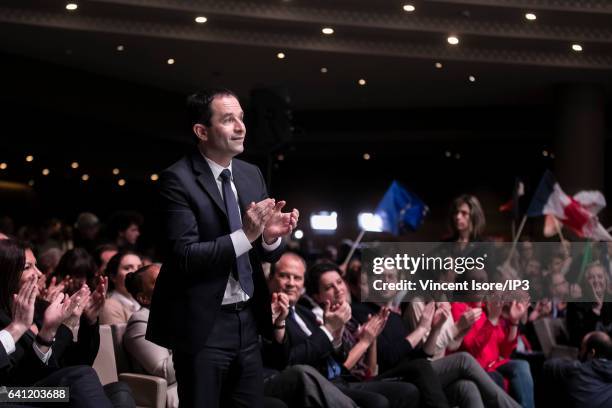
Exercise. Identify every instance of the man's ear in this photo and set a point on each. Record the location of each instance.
(201, 132)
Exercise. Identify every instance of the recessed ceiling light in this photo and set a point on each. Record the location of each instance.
(201, 19)
(530, 16)
(323, 70)
(74, 165)
(3, 166)
(409, 8)
(439, 65)
(72, 6)
(545, 153)
(120, 48)
(85, 177)
(577, 47)
(361, 82)
(452, 40)
(327, 30)
(280, 55)
(121, 182)
(472, 78)
(45, 172)
(115, 171)
(366, 156)
(154, 177)
(29, 158)
(170, 61)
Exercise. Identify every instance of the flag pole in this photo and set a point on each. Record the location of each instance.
(558, 229)
(352, 251)
(516, 238)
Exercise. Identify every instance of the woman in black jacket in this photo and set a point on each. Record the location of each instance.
(37, 348)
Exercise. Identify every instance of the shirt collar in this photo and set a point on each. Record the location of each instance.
(217, 168)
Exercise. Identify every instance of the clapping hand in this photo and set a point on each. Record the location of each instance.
(280, 308)
(23, 308)
(427, 316)
(374, 326)
(441, 315)
(256, 217)
(96, 300)
(335, 317)
(280, 223)
(60, 309)
(49, 292)
(79, 301)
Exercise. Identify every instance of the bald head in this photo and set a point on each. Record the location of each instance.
(596, 344)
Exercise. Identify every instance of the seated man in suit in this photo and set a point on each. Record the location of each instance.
(321, 345)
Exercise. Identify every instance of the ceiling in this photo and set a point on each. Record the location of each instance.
(512, 60)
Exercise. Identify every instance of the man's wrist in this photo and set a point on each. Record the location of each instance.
(47, 333)
(16, 330)
(267, 239)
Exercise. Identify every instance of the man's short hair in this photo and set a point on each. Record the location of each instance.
(600, 343)
(198, 104)
(290, 254)
(121, 220)
(314, 275)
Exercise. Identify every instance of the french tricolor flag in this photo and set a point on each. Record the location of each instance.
(578, 213)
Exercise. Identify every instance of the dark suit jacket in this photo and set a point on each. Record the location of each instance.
(199, 253)
(391, 344)
(313, 350)
(23, 367)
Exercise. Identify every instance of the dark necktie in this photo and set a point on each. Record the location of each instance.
(242, 269)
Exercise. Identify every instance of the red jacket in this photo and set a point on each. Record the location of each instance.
(486, 342)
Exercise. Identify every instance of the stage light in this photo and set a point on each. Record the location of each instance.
(370, 222)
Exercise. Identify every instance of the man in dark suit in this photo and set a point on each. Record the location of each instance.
(320, 343)
(211, 300)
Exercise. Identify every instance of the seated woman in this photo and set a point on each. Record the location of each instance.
(120, 304)
(147, 357)
(75, 268)
(492, 338)
(594, 315)
(37, 347)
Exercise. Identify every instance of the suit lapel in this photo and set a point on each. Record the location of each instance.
(206, 180)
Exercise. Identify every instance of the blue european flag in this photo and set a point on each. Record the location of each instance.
(400, 210)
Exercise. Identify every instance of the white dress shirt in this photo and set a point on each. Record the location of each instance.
(9, 346)
(233, 290)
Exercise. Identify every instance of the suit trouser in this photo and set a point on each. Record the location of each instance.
(420, 373)
(227, 372)
(380, 393)
(85, 388)
(468, 385)
(303, 386)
